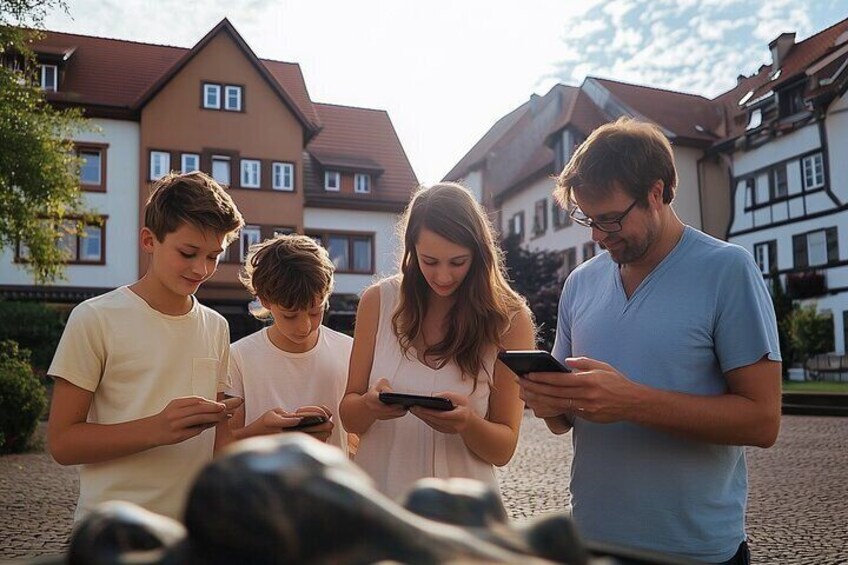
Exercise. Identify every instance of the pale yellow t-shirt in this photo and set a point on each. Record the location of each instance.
(136, 360)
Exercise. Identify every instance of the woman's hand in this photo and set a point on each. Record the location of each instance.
(446, 421)
(321, 432)
(380, 410)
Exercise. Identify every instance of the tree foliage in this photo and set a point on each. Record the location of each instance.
(538, 277)
(810, 332)
(39, 182)
(783, 308)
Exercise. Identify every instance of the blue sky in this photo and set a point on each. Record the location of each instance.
(446, 70)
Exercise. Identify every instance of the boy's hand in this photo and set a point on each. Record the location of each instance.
(186, 417)
(321, 432)
(380, 410)
(273, 421)
(446, 421)
(232, 403)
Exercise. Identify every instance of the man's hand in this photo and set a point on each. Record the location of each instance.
(186, 417)
(446, 421)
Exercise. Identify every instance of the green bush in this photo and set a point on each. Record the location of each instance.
(22, 398)
(34, 326)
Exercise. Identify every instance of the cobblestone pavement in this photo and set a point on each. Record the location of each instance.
(797, 512)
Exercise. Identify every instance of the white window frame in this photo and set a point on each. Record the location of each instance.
(222, 159)
(362, 183)
(54, 71)
(209, 88)
(99, 154)
(817, 248)
(251, 173)
(750, 192)
(761, 256)
(227, 90)
(335, 186)
(250, 235)
(282, 176)
(184, 165)
(516, 225)
(813, 167)
(160, 164)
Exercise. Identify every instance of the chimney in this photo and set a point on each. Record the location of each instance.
(534, 104)
(740, 78)
(780, 47)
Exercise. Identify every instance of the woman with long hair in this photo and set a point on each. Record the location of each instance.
(435, 329)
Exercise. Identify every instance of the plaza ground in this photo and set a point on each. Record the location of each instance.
(796, 511)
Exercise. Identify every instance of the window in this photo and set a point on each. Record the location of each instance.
(350, 253)
(284, 231)
(778, 186)
(332, 181)
(588, 250)
(250, 173)
(86, 248)
(765, 254)
(815, 248)
(212, 96)
(755, 119)
(250, 235)
(92, 173)
(813, 167)
(221, 169)
(540, 217)
(791, 100)
(189, 162)
(362, 183)
(160, 164)
(49, 76)
(232, 98)
(570, 259)
(283, 176)
(750, 192)
(561, 219)
(516, 225)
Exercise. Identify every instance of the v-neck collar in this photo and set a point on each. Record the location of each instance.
(661, 267)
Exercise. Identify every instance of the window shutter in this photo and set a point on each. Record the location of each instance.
(832, 245)
(772, 255)
(799, 251)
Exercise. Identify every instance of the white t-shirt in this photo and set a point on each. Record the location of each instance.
(268, 377)
(136, 360)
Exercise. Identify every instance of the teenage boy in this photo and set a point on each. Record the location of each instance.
(139, 371)
(297, 366)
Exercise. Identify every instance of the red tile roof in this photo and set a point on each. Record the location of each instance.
(358, 139)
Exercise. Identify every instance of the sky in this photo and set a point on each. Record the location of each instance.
(447, 70)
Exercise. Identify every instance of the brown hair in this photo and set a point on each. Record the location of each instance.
(192, 198)
(485, 302)
(634, 154)
(291, 271)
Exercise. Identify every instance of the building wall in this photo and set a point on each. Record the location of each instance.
(715, 195)
(836, 125)
(473, 181)
(687, 201)
(387, 245)
(119, 202)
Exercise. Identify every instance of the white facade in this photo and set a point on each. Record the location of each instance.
(687, 202)
(119, 204)
(806, 224)
(381, 225)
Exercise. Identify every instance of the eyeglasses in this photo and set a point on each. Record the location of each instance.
(606, 226)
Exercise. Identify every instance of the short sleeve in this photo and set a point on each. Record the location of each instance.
(562, 342)
(745, 327)
(80, 357)
(235, 386)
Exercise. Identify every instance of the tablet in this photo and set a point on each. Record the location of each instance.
(531, 361)
(407, 400)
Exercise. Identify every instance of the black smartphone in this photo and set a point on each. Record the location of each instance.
(407, 400)
(531, 361)
(309, 421)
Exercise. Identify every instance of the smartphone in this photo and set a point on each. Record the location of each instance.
(309, 421)
(531, 361)
(407, 400)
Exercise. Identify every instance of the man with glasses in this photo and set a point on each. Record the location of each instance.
(672, 340)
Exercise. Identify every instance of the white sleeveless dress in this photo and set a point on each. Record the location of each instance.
(398, 452)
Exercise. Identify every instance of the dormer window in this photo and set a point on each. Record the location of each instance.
(332, 181)
(232, 98)
(212, 96)
(791, 100)
(49, 77)
(755, 120)
(362, 183)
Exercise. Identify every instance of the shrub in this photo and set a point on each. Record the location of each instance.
(22, 398)
(34, 326)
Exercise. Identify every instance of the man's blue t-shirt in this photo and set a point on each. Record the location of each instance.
(703, 311)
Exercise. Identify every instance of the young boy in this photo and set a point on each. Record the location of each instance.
(295, 367)
(139, 371)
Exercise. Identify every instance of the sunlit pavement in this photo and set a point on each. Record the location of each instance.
(797, 514)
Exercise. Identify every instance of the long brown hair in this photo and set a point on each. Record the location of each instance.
(485, 303)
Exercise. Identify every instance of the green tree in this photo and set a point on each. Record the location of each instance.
(783, 308)
(40, 199)
(810, 333)
(537, 276)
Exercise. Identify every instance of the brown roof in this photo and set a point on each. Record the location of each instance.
(117, 74)
(358, 139)
(582, 114)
